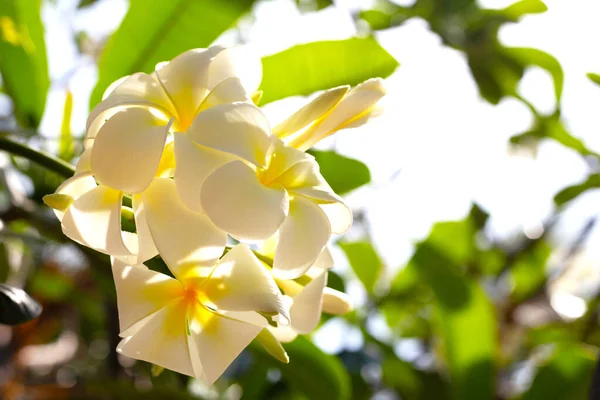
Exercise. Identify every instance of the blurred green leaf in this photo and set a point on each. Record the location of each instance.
(534, 57)
(594, 77)
(23, 63)
(157, 30)
(16, 306)
(411, 383)
(317, 375)
(66, 139)
(571, 192)
(364, 261)
(565, 376)
(306, 68)
(342, 173)
(528, 272)
(51, 285)
(466, 320)
(523, 7)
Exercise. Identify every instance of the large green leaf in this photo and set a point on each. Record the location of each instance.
(364, 261)
(465, 318)
(528, 272)
(158, 30)
(310, 371)
(565, 376)
(23, 59)
(306, 68)
(342, 173)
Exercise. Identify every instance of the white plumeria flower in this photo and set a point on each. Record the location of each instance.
(288, 196)
(306, 303)
(199, 322)
(203, 97)
(333, 110)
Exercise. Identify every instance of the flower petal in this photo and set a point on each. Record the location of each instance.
(162, 340)
(75, 186)
(238, 61)
(336, 302)
(339, 215)
(94, 220)
(137, 90)
(240, 282)
(311, 112)
(141, 292)
(239, 128)
(282, 159)
(242, 206)
(184, 238)
(146, 247)
(307, 306)
(194, 164)
(302, 237)
(217, 341)
(324, 261)
(185, 79)
(357, 102)
(304, 175)
(229, 90)
(127, 150)
(84, 164)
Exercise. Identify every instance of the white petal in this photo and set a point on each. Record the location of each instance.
(304, 175)
(141, 292)
(162, 340)
(339, 215)
(194, 164)
(84, 164)
(184, 238)
(127, 150)
(242, 206)
(336, 302)
(311, 112)
(302, 237)
(239, 128)
(358, 101)
(94, 220)
(146, 247)
(282, 159)
(185, 79)
(228, 91)
(134, 91)
(240, 282)
(218, 341)
(75, 186)
(324, 261)
(306, 310)
(284, 334)
(239, 61)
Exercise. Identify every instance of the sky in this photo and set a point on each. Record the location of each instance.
(439, 147)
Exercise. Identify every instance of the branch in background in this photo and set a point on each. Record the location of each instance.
(44, 159)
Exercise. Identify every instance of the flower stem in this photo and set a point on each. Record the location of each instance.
(42, 158)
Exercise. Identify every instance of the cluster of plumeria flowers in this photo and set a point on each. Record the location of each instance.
(186, 156)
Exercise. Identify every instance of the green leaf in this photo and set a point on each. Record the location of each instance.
(411, 383)
(538, 58)
(66, 139)
(565, 376)
(23, 62)
(310, 371)
(158, 30)
(16, 306)
(594, 77)
(364, 261)
(571, 192)
(465, 318)
(516, 10)
(342, 173)
(306, 68)
(528, 272)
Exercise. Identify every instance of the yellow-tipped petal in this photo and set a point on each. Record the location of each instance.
(311, 112)
(270, 343)
(335, 302)
(74, 187)
(302, 237)
(238, 203)
(239, 128)
(141, 292)
(240, 282)
(94, 220)
(127, 150)
(184, 238)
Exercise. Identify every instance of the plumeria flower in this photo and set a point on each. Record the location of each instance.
(198, 322)
(203, 98)
(288, 196)
(333, 110)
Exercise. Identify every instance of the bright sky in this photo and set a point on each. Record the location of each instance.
(449, 145)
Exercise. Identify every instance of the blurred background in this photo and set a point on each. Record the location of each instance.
(473, 260)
